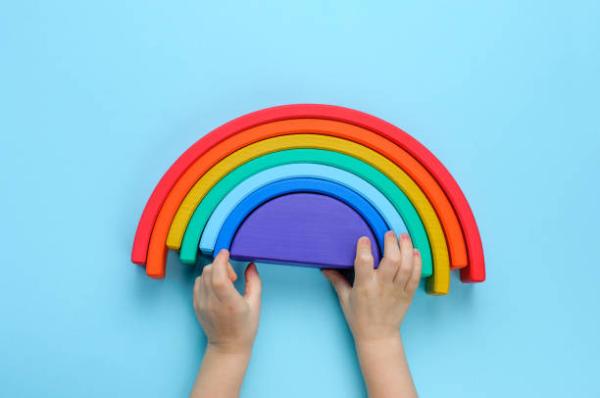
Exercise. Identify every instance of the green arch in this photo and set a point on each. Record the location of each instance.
(414, 225)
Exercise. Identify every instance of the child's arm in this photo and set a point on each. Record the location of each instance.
(230, 321)
(374, 308)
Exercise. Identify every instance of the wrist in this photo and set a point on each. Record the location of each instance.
(236, 360)
(384, 367)
(229, 349)
(378, 345)
(222, 371)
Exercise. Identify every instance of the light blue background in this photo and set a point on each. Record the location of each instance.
(98, 99)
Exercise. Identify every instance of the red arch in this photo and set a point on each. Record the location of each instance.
(474, 272)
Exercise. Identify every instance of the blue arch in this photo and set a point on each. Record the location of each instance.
(292, 185)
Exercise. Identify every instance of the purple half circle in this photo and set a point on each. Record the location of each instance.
(302, 228)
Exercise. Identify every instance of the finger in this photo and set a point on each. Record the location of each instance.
(391, 257)
(231, 272)
(253, 289)
(415, 276)
(363, 263)
(220, 280)
(406, 262)
(340, 284)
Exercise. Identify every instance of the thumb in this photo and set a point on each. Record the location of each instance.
(224, 255)
(340, 284)
(253, 285)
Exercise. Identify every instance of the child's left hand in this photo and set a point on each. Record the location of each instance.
(229, 319)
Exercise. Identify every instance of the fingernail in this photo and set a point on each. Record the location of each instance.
(416, 252)
(404, 236)
(254, 265)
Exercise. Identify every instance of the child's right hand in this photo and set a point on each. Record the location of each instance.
(375, 306)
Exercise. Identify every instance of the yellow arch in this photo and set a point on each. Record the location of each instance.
(441, 272)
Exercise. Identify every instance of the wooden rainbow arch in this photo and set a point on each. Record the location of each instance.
(420, 189)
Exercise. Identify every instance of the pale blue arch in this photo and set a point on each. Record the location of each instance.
(309, 170)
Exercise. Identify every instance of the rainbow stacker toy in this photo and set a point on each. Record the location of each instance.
(299, 184)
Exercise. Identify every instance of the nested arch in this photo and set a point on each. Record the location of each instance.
(424, 209)
(426, 214)
(234, 219)
(302, 228)
(297, 171)
(238, 177)
(302, 118)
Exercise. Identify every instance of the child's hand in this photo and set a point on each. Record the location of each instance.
(229, 319)
(375, 306)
